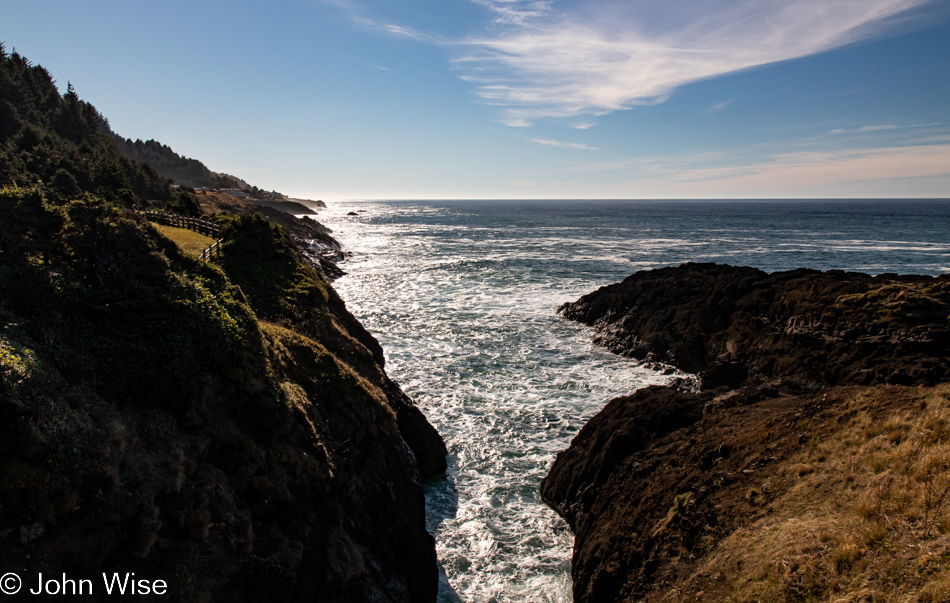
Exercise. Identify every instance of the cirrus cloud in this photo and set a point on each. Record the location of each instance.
(564, 145)
(608, 55)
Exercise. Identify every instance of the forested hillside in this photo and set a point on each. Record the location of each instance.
(64, 144)
(182, 170)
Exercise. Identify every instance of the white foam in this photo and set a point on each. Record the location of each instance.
(463, 302)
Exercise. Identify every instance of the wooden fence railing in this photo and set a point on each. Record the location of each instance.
(198, 225)
(210, 252)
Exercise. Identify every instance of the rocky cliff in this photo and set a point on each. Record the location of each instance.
(806, 464)
(733, 324)
(227, 429)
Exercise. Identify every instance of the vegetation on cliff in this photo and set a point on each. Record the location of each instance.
(227, 429)
(316, 242)
(158, 419)
(783, 479)
(64, 144)
(183, 170)
(65, 147)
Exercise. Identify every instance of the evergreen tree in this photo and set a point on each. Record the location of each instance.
(64, 144)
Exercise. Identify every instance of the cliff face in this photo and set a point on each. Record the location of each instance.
(228, 430)
(774, 482)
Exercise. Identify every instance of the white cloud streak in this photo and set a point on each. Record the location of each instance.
(721, 106)
(563, 145)
(516, 12)
(863, 129)
(613, 55)
(398, 31)
(367, 63)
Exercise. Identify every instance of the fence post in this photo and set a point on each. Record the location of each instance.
(199, 225)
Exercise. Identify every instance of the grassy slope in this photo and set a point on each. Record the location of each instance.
(838, 495)
(191, 243)
(856, 510)
(860, 513)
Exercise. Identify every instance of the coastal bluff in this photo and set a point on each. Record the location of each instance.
(227, 429)
(808, 460)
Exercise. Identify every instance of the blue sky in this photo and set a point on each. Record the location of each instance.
(446, 99)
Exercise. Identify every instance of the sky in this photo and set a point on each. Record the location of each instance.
(512, 99)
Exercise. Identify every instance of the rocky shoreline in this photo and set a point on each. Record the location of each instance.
(314, 240)
(812, 386)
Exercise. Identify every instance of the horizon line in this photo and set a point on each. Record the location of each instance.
(629, 199)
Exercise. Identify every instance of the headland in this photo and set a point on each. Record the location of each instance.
(808, 461)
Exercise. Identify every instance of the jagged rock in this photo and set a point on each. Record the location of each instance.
(732, 324)
(656, 481)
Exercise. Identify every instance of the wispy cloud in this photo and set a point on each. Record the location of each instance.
(876, 128)
(399, 30)
(896, 171)
(395, 30)
(516, 12)
(563, 145)
(720, 106)
(864, 129)
(367, 63)
(611, 55)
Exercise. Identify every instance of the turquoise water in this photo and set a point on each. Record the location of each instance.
(462, 297)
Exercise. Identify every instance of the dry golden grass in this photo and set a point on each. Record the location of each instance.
(865, 513)
(190, 242)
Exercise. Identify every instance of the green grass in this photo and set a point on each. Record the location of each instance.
(191, 243)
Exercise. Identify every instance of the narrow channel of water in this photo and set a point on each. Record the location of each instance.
(462, 296)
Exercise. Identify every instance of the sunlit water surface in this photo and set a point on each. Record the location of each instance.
(462, 297)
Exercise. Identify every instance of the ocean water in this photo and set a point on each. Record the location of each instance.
(462, 297)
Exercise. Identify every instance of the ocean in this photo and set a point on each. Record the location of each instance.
(462, 296)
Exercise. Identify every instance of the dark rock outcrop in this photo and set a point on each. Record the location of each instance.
(731, 324)
(288, 207)
(634, 423)
(656, 481)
